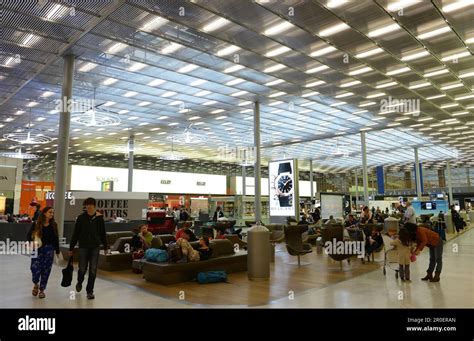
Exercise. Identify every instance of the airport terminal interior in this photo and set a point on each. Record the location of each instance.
(236, 154)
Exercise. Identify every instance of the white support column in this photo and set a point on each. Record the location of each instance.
(417, 174)
(450, 186)
(131, 149)
(62, 156)
(311, 182)
(365, 180)
(356, 185)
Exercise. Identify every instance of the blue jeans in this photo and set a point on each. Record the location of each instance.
(436, 257)
(88, 258)
(41, 266)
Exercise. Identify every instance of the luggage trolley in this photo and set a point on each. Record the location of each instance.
(391, 256)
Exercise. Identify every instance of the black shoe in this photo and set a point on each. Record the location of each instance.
(90, 296)
(78, 287)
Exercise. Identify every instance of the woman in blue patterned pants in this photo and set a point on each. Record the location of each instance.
(45, 233)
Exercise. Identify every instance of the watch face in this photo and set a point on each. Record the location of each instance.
(285, 184)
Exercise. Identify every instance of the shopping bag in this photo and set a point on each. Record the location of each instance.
(67, 274)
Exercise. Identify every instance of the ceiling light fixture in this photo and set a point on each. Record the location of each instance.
(383, 30)
(227, 50)
(278, 28)
(323, 51)
(333, 30)
(397, 71)
(369, 53)
(274, 68)
(434, 33)
(278, 51)
(172, 47)
(215, 24)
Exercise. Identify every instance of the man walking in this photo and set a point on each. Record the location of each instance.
(89, 231)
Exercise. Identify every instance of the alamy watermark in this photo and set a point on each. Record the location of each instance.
(12, 247)
(345, 247)
(405, 105)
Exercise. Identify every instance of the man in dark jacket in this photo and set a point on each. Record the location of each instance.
(89, 231)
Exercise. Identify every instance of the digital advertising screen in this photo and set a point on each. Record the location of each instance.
(283, 195)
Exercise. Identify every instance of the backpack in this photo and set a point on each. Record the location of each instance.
(156, 255)
(211, 277)
(174, 253)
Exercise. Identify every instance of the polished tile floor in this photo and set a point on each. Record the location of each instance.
(369, 289)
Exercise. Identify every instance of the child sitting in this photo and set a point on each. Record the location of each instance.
(404, 252)
(204, 250)
(374, 241)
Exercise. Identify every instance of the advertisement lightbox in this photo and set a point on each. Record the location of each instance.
(283, 189)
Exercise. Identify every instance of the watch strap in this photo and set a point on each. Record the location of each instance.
(284, 167)
(284, 201)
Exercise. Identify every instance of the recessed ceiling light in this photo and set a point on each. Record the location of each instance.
(235, 81)
(383, 30)
(123, 111)
(360, 71)
(275, 82)
(419, 85)
(209, 103)
(466, 74)
(338, 104)
(239, 93)
(366, 104)
(117, 47)
(316, 83)
(274, 68)
(28, 39)
(172, 47)
(221, 117)
(278, 51)
(317, 69)
(322, 51)
(175, 103)
(153, 24)
(227, 50)
(375, 95)
(460, 98)
(434, 33)
(278, 28)
(470, 41)
(188, 68)
(346, 94)
(87, 67)
(277, 94)
(460, 113)
(202, 93)
(348, 84)
(385, 85)
(246, 111)
(454, 6)
(132, 118)
(32, 104)
(245, 103)
(436, 96)
(110, 81)
(415, 55)
(215, 24)
(217, 111)
(456, 56)
(449, 105)
(369, 53)
(173, 124)
(193, 118)
(144, 103)
(39, 119)
(108, 103)
(163, 117)
(233, 68)
(156, 82)
(333, 30)
(435, 73)
(137, 67)
(308, 94)
(47, 94)
(168, 94)
(335, 3)
(130, 94)
(452, 86)
(398, 71)
(400, 4)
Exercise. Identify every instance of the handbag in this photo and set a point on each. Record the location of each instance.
(37, 241)
(67, 274)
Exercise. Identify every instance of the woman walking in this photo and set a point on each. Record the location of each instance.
(426, 237)
(44, 232)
